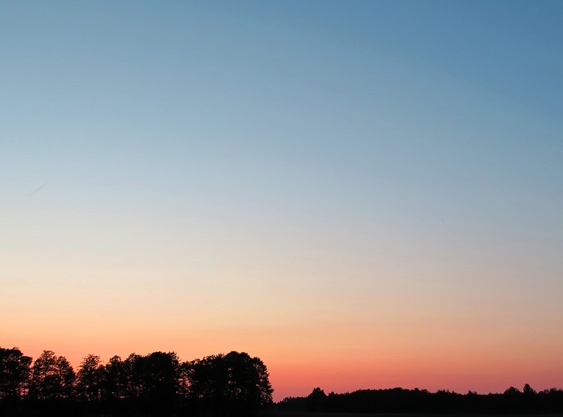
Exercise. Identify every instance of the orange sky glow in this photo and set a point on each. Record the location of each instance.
(362, 194)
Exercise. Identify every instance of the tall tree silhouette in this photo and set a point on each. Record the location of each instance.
(14, 372)
(133, 383)
(52, 377)
(233, 384)
(90, 379)
(156, 381)
(115, 379)
(207, 381)
(248, 386)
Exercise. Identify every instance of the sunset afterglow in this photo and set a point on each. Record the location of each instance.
(362, 194)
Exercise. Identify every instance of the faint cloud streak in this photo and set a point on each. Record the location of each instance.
(37, 189)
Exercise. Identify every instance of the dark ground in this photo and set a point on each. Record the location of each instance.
(336, 414)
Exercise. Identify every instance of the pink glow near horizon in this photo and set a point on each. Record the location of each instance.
(458, 371)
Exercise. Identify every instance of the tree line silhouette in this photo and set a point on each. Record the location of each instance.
(399, 400)
(157, 384)
(231, 385)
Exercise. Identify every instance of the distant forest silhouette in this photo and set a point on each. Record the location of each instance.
(399, 400)
(158, 384)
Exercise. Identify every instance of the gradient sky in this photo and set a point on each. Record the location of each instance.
(363, 194)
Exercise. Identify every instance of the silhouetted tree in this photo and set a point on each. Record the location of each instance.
(14, 372)
(132, 385)
(207, 380)
(52, 377)
(156, 380)
(233, 384)
(316, 400)
(248, 385)
(263, 385)
(115, 379)
(512, 391)
(529, 397)
(528, 390)
(90, 378)
(183, 380)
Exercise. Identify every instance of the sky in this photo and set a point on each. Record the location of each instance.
(363, 194)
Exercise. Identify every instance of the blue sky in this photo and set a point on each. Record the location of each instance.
(319, 155)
